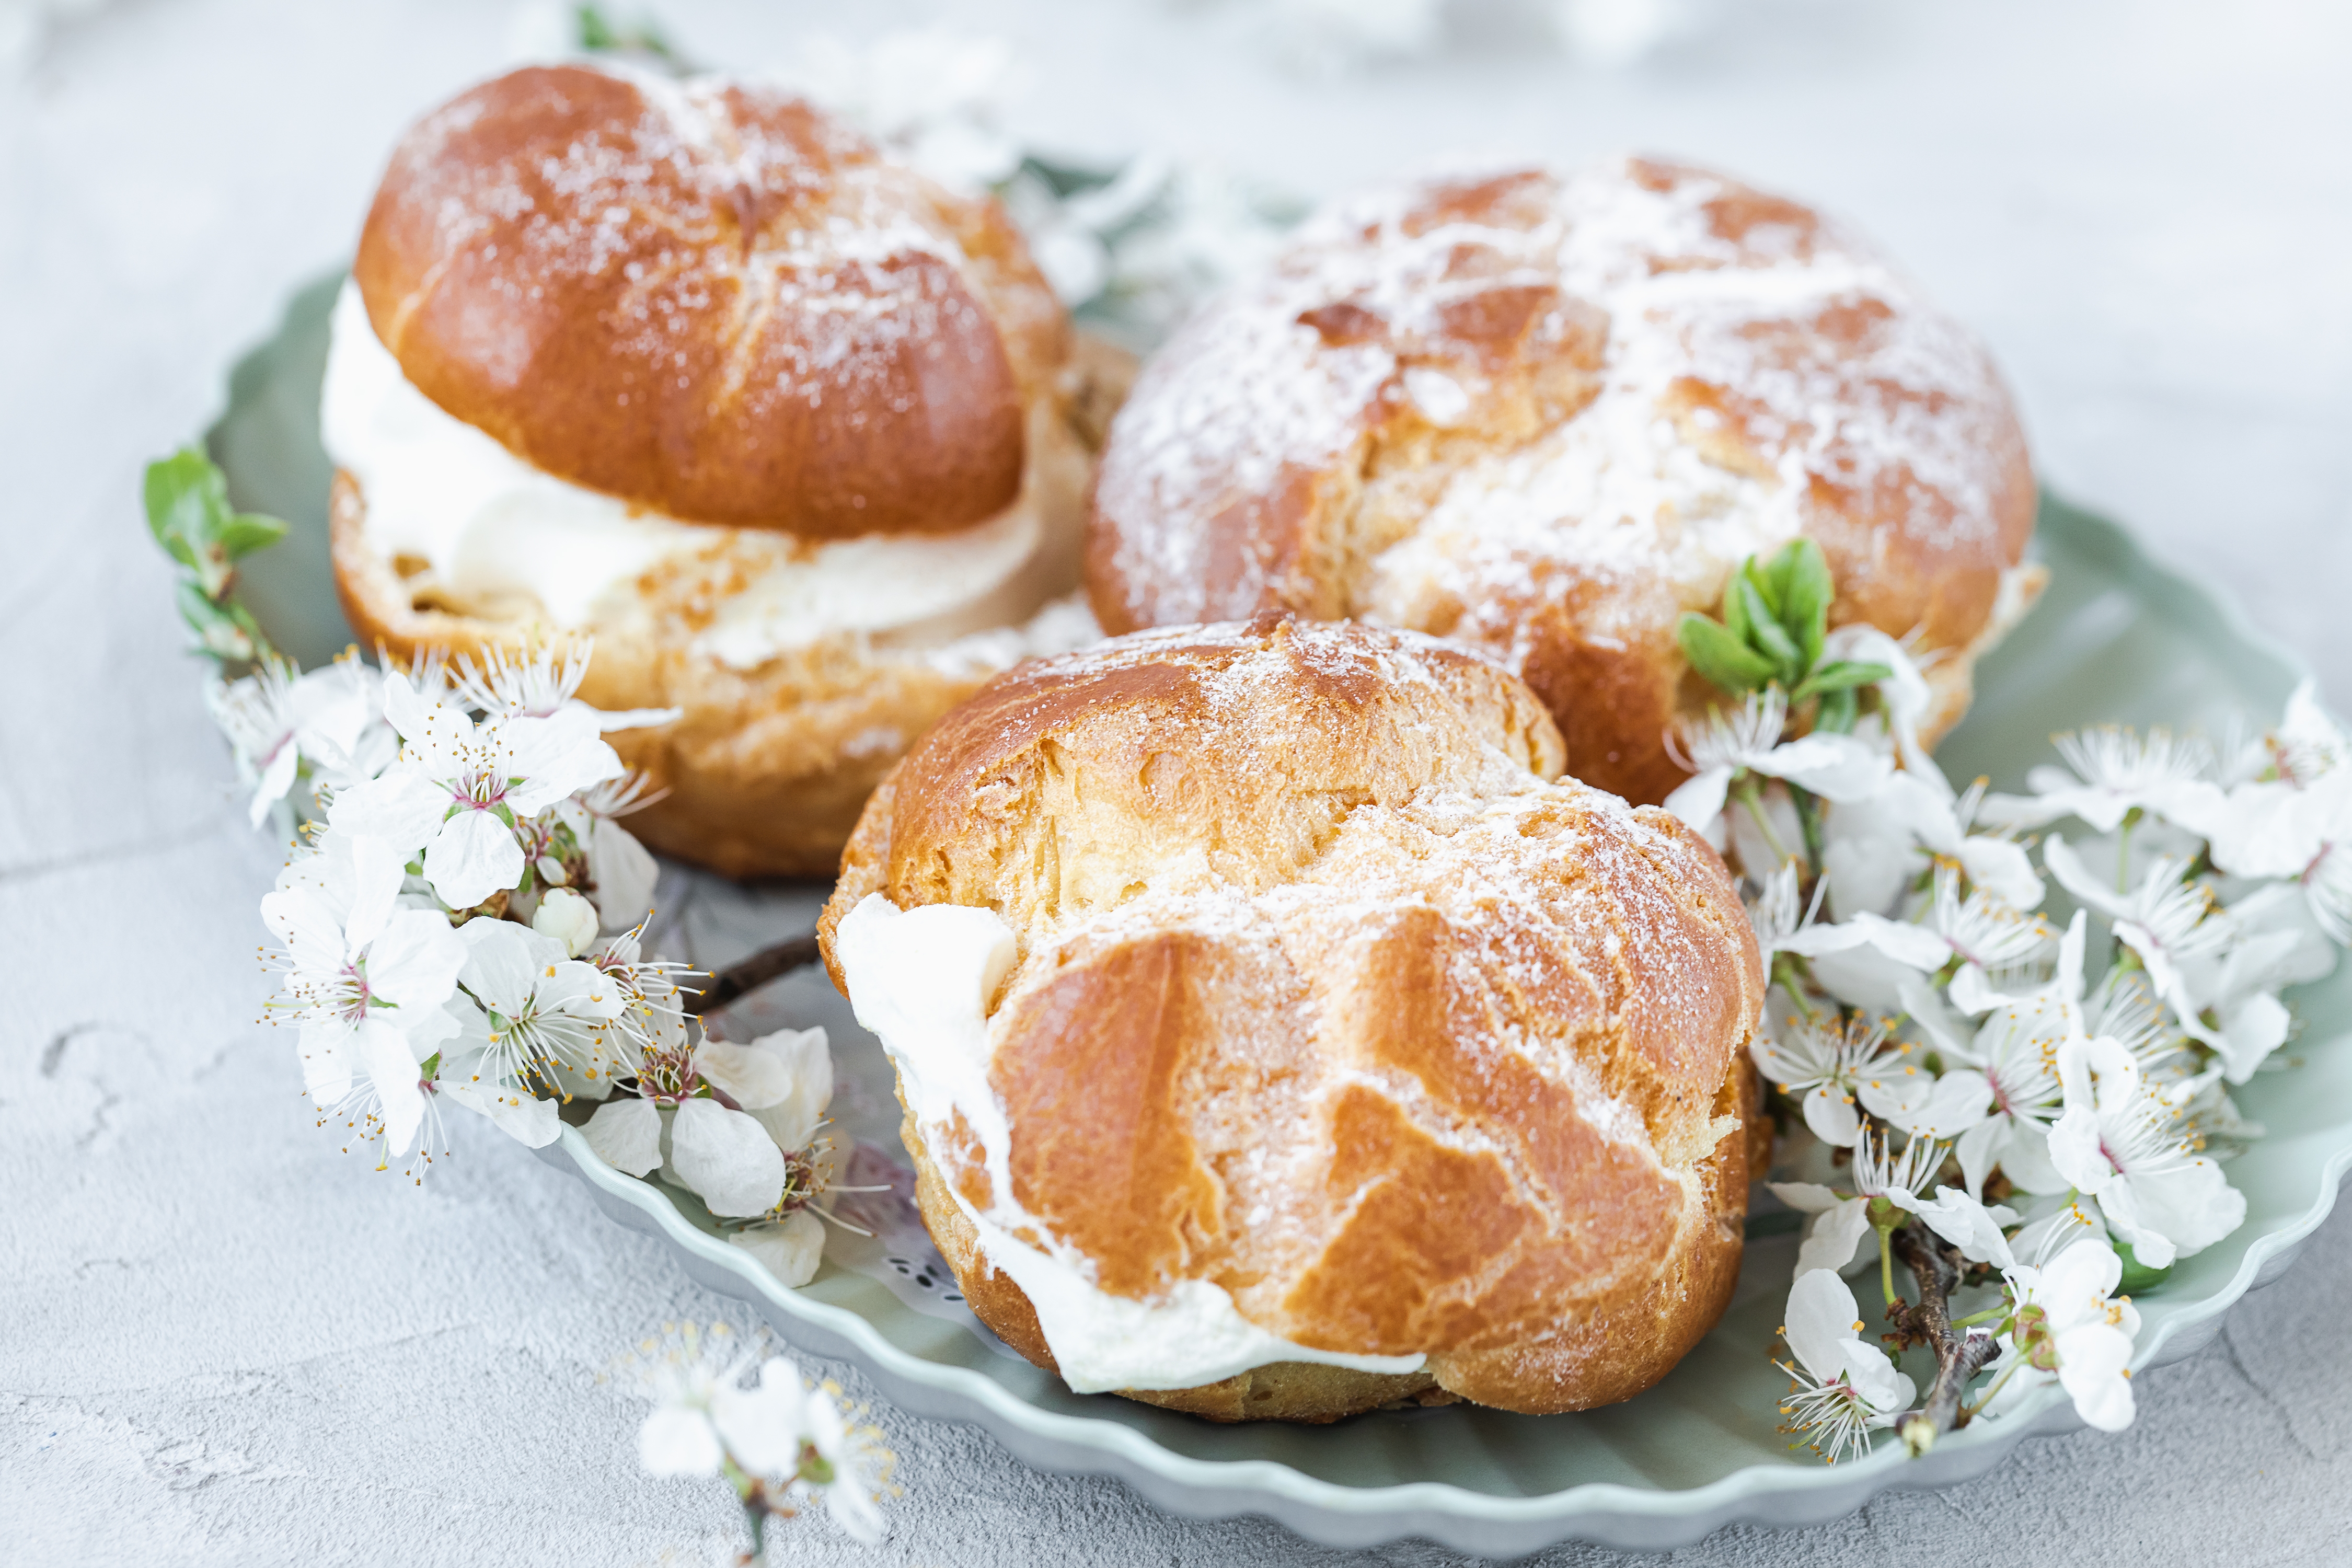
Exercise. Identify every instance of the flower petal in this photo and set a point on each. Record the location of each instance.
(1968, 1225)
(678, 1441)
(555, 756)
(727, 1158)
(415, 960)
(626, 1135)
(1834, 1239)
(1872, 1375)
(1926, 1106)
(763, 1427)
(503, 961)
(624, 873)
(383, 1052)
(275, 780)
(1698, 800)
(1820, 1321)
(752, 1076)
(1831, 1116)
(327, 1066)
(403, 806)
(1836, 767)
(473, 856)
(806, 1064)
(790, 1248)
(527, 1120)
(2191, 1206)
(2093, 1367)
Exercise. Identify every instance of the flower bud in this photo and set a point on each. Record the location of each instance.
(568, 918)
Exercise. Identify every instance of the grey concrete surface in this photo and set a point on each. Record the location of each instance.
(222, 1343)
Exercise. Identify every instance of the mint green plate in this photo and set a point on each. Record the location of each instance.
(2117, 636)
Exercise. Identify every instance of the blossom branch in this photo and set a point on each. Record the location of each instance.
(737, 980)
(1960, 1356)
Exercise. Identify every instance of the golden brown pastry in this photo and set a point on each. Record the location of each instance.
(1546, 415)
(798, 436)
(1278, 1040)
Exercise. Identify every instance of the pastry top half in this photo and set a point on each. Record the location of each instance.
(1547, 413)
(714, 302)
(1259, 997)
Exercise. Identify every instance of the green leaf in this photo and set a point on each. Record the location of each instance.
(1735, 609)
(1767, 588)
(2138, 1276)
(1836, 714)
(1843, 675)
(249, 532)
(188, 512)
(1802, 575)
(187, 503)
(1719, 656)
(1765, 632)
(598, 34)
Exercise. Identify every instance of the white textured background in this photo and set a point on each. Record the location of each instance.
(223, 1343)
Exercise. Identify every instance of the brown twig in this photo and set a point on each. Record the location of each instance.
(1960, 1356)
(737, 979)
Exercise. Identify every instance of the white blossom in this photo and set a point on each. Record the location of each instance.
(649, 986)
(2120, 1142)
(933, 95)
(2163, 919)
(2115, 771)
(459, 788)
(2291, 825)
(851, 1455)
(2068, 1323)
(2014, 1082)
(2000, 947)
(783, 1079)
(1824, 1061)
(542, 683)
(703, 1415)
(1874, 847)
(366, 979)
(1840, 1221)
(533, 1006)
(1845, 1388)
(732, 1155)
(1723, 744)
(785, 1441)
(276, 720)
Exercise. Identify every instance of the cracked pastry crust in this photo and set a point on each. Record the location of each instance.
(1328, 993)
(1546, 414)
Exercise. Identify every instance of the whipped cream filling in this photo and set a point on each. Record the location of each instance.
(922, 980)
(501, 537)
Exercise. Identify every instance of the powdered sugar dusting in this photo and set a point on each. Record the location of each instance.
(708, 185)
(1758, 364)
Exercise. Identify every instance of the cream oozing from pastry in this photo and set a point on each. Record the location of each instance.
(922, 979)
(501, 536)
